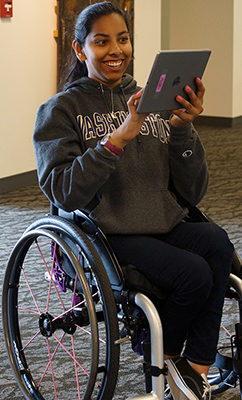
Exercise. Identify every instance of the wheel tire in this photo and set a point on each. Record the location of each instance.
(27, 297)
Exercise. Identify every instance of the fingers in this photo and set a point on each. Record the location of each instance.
(191, 109)
(196, 99)
(133, 104)
(200, 89)
(194, 106)
(135, 99)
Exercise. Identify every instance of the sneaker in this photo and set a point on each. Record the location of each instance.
(185, 382)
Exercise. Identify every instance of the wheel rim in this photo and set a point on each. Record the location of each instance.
(31, 321)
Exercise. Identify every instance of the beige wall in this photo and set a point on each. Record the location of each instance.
(147, 37)
(210, 24)
(193, 24)
(27, 78)
(237, 59)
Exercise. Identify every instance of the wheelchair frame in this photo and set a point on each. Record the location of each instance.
(89, 237)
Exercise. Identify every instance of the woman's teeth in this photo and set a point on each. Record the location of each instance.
(114, 64)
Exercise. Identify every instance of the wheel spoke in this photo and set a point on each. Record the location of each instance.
(31, 340)
(28, 310)
(89, 333)
(51, 279)
(53, 355)
(68, 352)
(50, 273)
(75, 365)
(52, 370)
(32, 294)
(67, 311)
(226, 330)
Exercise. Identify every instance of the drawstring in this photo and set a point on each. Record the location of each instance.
(112, 100)
(105, 99)
(124, 99)
(112, 103)
(112, 113)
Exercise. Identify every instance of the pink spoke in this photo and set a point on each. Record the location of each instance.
(31, 340)
(89, 333)
(70, 309)
(70, 355)
(77, 380)
(50, 284)
(30, 311)
(51, 279)
(226, 330)
(52, 371)
(53, 355)
(32, 294)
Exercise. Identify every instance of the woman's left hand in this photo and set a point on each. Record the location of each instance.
(190, 110)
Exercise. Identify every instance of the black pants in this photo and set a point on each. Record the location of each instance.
(192, 264)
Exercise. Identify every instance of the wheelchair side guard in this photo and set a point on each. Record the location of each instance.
(100, 242)
(134, 280)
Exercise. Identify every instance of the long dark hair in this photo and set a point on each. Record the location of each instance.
(84, 23)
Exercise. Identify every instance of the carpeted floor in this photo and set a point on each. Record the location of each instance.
(223, 203)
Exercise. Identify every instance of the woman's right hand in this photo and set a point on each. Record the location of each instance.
(130, 128)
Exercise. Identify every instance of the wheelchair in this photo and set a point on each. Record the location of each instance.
(68, 306)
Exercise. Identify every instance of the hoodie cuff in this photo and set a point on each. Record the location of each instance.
(179, 135)
(106, 154)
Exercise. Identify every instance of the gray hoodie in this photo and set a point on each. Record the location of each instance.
(146, 190)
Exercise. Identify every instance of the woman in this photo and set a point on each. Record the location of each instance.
(133, 174)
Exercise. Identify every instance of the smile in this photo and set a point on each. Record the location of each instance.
(114, 64)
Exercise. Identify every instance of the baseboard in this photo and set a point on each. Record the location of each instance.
(219, 122)
(19, 181)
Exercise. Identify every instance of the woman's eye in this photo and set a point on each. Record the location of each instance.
(124, 39)
(101, 42)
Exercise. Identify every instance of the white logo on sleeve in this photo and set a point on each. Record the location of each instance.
(187, 153)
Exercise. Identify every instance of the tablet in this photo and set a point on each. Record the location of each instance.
(172, 70)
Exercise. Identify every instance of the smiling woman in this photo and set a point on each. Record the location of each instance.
(107, 50)
(94, 152)
(66, 10)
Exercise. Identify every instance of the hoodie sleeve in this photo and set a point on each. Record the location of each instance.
(69, 175)
(189, 172)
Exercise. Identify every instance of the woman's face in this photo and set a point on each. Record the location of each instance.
(107, 50)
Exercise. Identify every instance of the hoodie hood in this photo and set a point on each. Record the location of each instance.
(89, 93)
(128, 84)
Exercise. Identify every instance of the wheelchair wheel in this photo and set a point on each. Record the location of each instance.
(59, 315)
(221, 373)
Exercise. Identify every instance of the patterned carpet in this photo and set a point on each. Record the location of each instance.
(223, 203)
